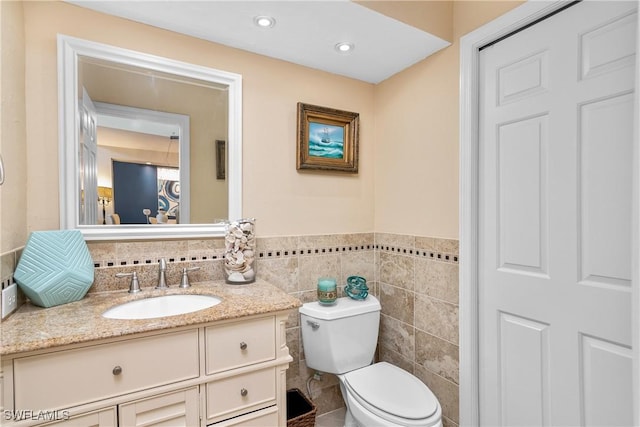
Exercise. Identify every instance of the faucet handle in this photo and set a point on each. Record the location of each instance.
(184, 283)
(162, 268)
(134, 286)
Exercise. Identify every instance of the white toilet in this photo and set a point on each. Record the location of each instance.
(341, 339)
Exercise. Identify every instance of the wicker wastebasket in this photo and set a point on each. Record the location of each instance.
(301, 412)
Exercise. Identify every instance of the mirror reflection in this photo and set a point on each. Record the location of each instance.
(148, 146)
(138, 162)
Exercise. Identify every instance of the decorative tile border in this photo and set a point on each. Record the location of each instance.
(264, 254)
(154, 260)
(213, 250)
(281, 253)
(436, 256)
(284, 253)
(268, 248)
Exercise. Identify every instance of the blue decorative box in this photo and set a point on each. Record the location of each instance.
(55, 268)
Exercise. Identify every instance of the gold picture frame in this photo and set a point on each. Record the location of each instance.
(221, 159)
(327, 139)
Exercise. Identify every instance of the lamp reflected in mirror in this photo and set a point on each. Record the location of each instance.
(146, 212)
(105, 195)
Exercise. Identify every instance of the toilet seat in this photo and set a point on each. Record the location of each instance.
(393, 394)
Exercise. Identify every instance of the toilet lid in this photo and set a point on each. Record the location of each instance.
(392, 390)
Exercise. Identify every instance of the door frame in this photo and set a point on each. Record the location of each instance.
(470, 44)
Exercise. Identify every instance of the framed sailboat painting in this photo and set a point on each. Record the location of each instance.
(327, 139)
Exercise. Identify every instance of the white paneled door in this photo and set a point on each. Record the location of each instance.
(88, 161)
(555, 191)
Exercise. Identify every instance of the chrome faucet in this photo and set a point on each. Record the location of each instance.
(162, 269)
(134, 286)
(184, 283)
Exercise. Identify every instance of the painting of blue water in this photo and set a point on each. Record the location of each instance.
(326, 141)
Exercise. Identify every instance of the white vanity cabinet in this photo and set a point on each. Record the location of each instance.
(107, 417)
(218, 374)
(178, 408)
(248, 350)
(93, 373)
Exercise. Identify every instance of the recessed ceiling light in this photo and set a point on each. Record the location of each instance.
(264, 21)
(344, 47)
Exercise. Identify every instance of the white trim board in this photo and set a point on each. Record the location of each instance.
(635, 241)
(470, 45)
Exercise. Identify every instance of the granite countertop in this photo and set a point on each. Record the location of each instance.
(35, 328)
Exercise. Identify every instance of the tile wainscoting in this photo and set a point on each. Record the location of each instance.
(415, 278)
(418, 291)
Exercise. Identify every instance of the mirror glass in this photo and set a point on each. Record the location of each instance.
(150, 147)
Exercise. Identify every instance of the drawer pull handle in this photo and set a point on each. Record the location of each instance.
(243, 345)
(243, 392)
(117, 370)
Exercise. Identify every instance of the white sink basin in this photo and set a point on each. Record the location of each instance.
(168, 305)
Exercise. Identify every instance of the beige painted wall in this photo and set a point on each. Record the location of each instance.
(408, 180)
(13, 199)
(416, 156)
(432, 16)
(283, 200)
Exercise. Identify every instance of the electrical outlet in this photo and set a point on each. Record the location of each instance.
(9, 300)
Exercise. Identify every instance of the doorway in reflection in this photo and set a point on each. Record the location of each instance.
(140, 159)
(152, 117)
(142, 191)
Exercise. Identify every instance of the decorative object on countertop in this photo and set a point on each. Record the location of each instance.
(55, 267)
(356, 288)
(327, 291)
(240, 251)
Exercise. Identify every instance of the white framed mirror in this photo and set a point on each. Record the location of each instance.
(130, 91)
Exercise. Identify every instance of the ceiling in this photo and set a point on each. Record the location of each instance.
(305, 31)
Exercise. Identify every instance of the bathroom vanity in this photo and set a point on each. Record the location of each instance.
(221, 366)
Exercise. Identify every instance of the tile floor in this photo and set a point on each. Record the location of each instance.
(331, 419)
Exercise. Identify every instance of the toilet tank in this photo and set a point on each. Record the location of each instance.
(341, 337)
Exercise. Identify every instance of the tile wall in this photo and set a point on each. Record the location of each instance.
(418, 286)
(415, 278)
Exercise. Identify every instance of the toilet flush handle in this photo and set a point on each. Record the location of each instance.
(314, 325)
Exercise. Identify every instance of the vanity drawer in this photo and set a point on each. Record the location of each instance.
(71, 377)
(237, 344)
(176, 409)
(107, 417)
(239, 394)
(262, 418)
